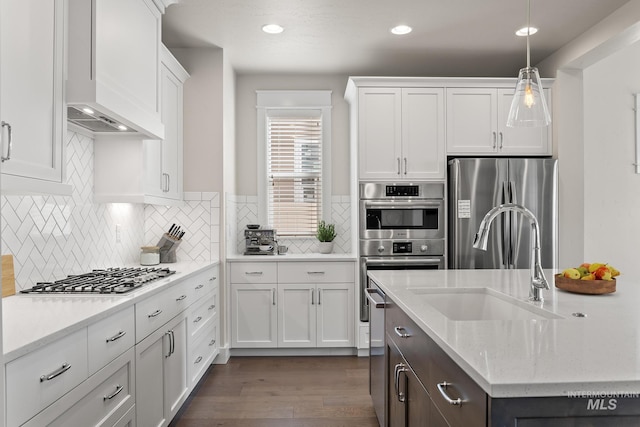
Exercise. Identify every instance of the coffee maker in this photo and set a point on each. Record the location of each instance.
(260, 241)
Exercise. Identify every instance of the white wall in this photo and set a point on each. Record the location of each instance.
(612, 188)
(246, 133)
(203, 118)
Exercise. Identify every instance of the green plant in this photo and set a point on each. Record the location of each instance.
(326, 232)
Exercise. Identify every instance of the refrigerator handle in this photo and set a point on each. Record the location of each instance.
(506, 249)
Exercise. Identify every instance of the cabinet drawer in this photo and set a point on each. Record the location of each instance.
(254, 272)
(201, 314)
(204, 283)
(110, 337)
(102, 400)
(473, 411)
(413, 343)
(204, 349)
(37, 379)
(157, 310)
(315, 272)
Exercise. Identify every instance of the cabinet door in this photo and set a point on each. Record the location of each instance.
(423, 144)
(521, 141)
(150, 355)
(172, 143)
(335, 312)
(297, 315)
(396, 393)
(379, 133)
(254, 315)
(32, 50)
(471, 120)
(175, 366)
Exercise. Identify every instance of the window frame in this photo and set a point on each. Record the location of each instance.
(294, 100)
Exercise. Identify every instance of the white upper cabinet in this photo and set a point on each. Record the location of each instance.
(164, 159)
(114, 59)
(401, 133)
(476, 124)
(32, 101)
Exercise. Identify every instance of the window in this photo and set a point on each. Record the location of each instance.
(293, 137)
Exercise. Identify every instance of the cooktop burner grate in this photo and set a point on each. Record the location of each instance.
(105, 281)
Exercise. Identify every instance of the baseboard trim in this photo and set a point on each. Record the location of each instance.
(347, 351)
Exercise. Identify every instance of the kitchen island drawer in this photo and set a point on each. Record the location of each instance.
(254, 272)
(36, 380)
(102, 400)
(316, 272)
(204, 282)
(110, 337)
(447, 383)
(157, 310)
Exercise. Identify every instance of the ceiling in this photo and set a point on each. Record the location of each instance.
(449, 38)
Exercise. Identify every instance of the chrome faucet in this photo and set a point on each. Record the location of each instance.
(538, 279)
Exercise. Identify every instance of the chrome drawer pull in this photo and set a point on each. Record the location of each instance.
(213, 342)
(116, 336)
(197, 319)
(401, 332)
(442, 388)
(198, 360)
(119, 388)
(212, 306)
(154, 314)
(315, 272)
(181, 297)
(9, 144)
(253, 273)
(212, 278)
(200, 286)
(64, 368)
(400, 367)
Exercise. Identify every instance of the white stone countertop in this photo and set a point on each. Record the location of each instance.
(292, 257)
(31, 321)
(524, 358)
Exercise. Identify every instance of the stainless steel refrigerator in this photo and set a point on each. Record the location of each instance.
(476, 185)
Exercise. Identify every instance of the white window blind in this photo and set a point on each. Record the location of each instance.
(294, 172)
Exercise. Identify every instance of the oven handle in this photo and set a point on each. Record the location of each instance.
(404, 204)
(372, 301)
(391, 262)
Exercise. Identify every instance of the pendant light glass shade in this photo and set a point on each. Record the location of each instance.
(528, 107)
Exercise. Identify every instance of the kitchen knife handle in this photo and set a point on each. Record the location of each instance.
(10, 141)
(64, 368)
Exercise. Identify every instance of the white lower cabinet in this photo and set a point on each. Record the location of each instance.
(161, 377)
(307, 304)
(105, 399)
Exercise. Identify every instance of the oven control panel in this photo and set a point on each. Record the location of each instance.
(402, 191)
(402, 247)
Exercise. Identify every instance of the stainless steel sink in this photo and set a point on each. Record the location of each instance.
(465, 304)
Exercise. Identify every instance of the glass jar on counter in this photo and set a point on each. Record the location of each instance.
(149, 255)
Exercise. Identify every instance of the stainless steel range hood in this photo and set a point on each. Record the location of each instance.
(96, 122)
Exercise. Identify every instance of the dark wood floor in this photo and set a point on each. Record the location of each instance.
(284, 392)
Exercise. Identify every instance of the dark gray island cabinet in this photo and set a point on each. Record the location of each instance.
(425, 387)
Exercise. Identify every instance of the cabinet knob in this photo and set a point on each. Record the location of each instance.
(380, 249)
(424, 248)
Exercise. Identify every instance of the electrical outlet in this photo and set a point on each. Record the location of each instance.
(118, 233)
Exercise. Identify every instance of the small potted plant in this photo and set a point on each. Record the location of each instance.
(326, 234)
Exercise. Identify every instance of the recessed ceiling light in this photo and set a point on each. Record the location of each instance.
(122, 127)
(401, 30)
(272, 29)
(522, 32)
(87, 110)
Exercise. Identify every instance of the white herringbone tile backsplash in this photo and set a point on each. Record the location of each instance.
(243, 210)
(199, 217)
(53, 236)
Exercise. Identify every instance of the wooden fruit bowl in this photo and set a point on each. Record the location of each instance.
(590, 287)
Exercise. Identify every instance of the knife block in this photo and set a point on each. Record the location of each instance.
(168, 246)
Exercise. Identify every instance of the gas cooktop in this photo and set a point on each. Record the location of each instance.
(108, 281)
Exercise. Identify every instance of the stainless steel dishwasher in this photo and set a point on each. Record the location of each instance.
(377, 361)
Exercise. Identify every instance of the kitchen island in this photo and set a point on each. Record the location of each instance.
(574, 350)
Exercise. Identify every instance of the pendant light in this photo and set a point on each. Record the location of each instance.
(528, 108)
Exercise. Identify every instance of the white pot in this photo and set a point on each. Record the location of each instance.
(325, 247)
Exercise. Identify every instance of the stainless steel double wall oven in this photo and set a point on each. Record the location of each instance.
(402, 226)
